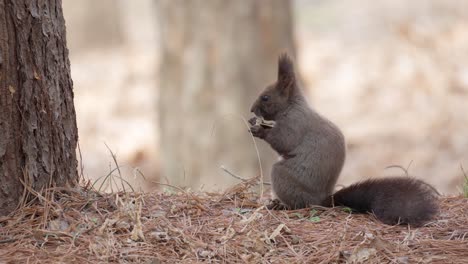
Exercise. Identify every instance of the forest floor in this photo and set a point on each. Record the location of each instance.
(82, 225)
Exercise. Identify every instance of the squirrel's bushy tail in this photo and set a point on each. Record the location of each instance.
(397, 200)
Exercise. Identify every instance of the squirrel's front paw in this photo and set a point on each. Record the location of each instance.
(276, 204)
(253, 121)
(257, 131)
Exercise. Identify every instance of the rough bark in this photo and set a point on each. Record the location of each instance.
(38, 133)
(216, 57)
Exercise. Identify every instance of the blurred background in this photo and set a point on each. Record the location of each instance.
(166, 85)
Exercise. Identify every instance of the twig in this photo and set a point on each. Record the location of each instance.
(255, 145)
(195, 198)
(81, 161)
(116, 165)
(465, 184)
(463, 171)
(401, 167)
(238, 177)
(398, 167)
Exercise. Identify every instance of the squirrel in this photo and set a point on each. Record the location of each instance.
(312, 153)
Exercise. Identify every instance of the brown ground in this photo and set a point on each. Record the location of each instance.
(67, 226)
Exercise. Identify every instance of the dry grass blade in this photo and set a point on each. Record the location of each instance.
(465, 183)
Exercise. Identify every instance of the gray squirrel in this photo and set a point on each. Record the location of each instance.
(313, 151)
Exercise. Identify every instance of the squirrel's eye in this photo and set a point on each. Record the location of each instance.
(265, 98)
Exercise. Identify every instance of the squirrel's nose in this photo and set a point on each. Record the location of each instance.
(253, 108)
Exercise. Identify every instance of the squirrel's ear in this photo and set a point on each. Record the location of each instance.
(286, 75)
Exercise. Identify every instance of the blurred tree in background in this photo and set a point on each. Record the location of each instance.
(95, 24)
(392, 74)
(215, 58)
(37, 116)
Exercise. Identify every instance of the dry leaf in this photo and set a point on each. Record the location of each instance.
(36, 76)
(11, 89)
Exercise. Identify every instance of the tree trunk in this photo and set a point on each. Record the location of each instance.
(38, 133)
(216, 57)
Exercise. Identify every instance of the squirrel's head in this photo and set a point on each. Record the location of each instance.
(276, 97)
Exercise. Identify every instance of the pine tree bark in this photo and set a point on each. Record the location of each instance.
(216, 57)
(38, 133)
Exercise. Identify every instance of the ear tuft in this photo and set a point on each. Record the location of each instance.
(286, 75)
(285, 66)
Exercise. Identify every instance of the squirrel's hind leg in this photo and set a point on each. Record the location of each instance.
(290, 190)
